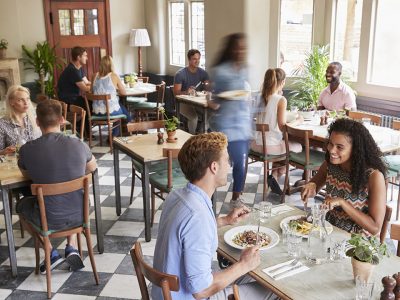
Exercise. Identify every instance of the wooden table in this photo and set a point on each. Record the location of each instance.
(382, 135)
(145, 150)
(13, 178)
(198, 103)
(327, 281)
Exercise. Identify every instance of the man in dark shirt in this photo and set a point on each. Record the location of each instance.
(40, 160)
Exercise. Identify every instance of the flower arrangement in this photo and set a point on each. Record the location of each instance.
(366, 249)
(130, 78)
(3, 44)
(171, 124)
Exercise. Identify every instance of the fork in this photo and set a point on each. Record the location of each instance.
(291, 265)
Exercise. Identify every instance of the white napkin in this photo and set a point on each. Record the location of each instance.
(280, 209)
(283, 270)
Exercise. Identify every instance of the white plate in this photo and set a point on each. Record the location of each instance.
(329, 227)
(234, 95)
(231, 233)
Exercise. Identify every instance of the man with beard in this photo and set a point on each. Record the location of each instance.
(337, 95)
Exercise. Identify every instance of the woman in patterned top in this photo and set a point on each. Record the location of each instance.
(354, 176)
(18, 126)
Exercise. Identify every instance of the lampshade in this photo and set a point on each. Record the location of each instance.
(139, 38)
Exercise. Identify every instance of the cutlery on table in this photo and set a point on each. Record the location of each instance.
(287, 271)
(197, 85)
(276, 270)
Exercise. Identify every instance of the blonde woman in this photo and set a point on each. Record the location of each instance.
(19, 125)
(106, 81)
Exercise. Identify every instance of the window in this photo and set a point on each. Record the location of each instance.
(295, 33)
(385, 63)
(347, 29)
(84, 22)
(186, 30)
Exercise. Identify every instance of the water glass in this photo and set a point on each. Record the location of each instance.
(285, 232)
(140, 81)
(395, 138)
(294, 242)
(265, 211)
(364, 290)
(337, 249)
(11, 160)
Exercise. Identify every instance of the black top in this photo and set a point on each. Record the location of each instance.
(67, 88)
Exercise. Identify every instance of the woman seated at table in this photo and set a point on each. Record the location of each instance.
(18, 126)
(354, 176)
(271, 110)
(106, 81)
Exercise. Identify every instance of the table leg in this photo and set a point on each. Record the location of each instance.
(205, 116)
(146, 202)
(117, 182)
(9, 232)
(178, 110)
(97, 211)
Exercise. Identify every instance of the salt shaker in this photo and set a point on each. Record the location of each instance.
(388, 285)
(396, 290)
(160, 136)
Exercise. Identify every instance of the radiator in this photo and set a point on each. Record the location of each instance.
(388, 120)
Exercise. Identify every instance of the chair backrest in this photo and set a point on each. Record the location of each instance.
(235, 295)
(144, 79)
(396, 125)
(395, 235)
(42, 190)
(301, 135)
(167, 282)
(170, 153)
(78, 113)
(160, 88)
(93, 97)
(385, 224)
(359, 115)
(144, 126)
(264, 128)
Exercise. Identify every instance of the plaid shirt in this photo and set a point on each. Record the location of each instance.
(11, 132)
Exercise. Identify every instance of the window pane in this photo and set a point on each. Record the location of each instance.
(197, 13)
(386, 45)
(65, 22)
(91, 18)
(177, 34)
(295, 32)
(346, 47)
(79, 24)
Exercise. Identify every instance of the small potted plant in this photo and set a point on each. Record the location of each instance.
(365, 253)
(3, 48)
(130, 79)
(171, 125)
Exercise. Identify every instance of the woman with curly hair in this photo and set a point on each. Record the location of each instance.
(354, 176)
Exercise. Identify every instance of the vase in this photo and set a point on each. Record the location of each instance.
(3, 53)
(171, 137)
(362, 269)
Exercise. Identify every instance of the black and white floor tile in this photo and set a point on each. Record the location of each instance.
(115, 268)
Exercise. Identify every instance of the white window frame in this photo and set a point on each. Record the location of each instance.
(323, 33)
(172, 68)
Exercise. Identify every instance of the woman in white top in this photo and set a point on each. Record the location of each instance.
(272, 111)
(106, 81)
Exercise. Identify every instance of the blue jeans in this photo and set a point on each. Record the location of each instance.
(121, 111)
(238, 153)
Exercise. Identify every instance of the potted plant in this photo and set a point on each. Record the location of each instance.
(43, 60)
(365, 253)
(3, 48)
(311, 79)
(130, 79)
(171, 125)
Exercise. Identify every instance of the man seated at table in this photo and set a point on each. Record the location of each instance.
(187, 80)
(53, 158)
(188, 228)
(337, 95)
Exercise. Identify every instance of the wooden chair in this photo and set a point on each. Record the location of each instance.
(111, 121)
(235, 295)
(385, 224)
(143, 109)
(266, 159)
(396, 125)
(64, 107)
(43, 234)
(308, 159)
(359, 115)
(167, 282)
(77, 114)
(167, 179)
(134, 99)
(395, 235)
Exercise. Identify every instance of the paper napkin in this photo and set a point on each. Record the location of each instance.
(280, 209)
(270, 271)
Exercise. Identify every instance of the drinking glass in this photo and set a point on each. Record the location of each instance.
(337, 249)
(294, 244)
(364, 290)
(285, 232)
(140, 81)
(395, 138)
(265, 211)
(11, 160)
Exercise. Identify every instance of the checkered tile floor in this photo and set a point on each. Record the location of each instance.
(116, 272)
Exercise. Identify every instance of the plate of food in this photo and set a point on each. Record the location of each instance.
(234, 95)
(302, 225)
(242, 237)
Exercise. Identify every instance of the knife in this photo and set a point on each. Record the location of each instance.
(287, 271)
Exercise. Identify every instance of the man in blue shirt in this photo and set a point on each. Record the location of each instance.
(187, 80)
(188, 228)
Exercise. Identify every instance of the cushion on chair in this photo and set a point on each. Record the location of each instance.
(316, 158)
(261, 157)
(136, 99)
(104, 118)
(155, 167)
(144, 105)
(393, 162)
(160, 179)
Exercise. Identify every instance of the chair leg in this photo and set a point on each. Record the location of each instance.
(47, 262)
(37, 255)
(109, 127)
(90, 135)
(286, 185)
(78, 240)
(132, 183)
(153, 204)
(91, 255)
(101, 138)
(265, 187)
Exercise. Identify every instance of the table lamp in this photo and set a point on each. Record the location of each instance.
(139, 38)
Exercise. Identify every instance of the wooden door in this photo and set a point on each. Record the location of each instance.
(79, 23)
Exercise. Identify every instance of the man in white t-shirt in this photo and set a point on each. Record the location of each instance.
(337, 95)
